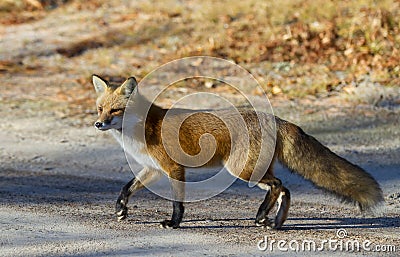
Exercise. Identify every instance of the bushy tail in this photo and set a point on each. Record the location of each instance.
(304, 155)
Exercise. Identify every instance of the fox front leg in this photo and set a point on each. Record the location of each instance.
(144, 177)
(177, 179)
(177, 216)
(121, 208)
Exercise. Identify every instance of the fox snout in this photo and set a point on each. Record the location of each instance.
(102, 125)
(114, 123)
(99, 124)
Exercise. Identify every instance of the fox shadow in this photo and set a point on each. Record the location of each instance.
(40, 188)
(340, 222)
(296, 224)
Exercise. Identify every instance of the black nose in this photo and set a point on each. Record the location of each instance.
(98, 124)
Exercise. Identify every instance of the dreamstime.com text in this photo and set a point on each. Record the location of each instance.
(340, 243)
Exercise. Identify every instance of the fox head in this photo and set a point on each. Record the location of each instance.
(111, 102)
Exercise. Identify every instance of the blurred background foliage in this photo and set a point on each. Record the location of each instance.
(295, 48)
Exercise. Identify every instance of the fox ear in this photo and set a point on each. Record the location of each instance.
(99, 84)
(129, 87)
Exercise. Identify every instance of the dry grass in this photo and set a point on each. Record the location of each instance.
(294, 48)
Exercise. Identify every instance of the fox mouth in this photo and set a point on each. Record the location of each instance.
(108, 126)
(104, 128)
(115, 123)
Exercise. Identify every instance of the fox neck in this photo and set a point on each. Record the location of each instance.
(140, 110)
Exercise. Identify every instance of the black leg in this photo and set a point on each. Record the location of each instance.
(283, 208)
(273, 187)
(144, 177)
(265, 207)
(121, 208)
(177, 216)
(178, 195)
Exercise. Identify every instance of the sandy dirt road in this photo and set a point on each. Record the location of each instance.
(59, 177)
(59, 183)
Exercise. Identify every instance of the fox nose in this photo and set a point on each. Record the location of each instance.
(98, 124)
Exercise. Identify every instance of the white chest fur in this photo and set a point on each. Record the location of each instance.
(136, 149)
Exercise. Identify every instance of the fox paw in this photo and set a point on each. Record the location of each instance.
(168, 224)
(122, 213)
(265, 223)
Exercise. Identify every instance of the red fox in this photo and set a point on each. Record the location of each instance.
(299, 152)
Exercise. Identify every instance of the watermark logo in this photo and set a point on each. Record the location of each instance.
(341, 233)
(192, 138)
(341, 242)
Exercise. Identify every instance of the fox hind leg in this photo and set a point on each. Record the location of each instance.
(283, 207)
(269, 201)
(275, 193)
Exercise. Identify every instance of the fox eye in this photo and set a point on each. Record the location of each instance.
(100, 109)
(115, 110)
